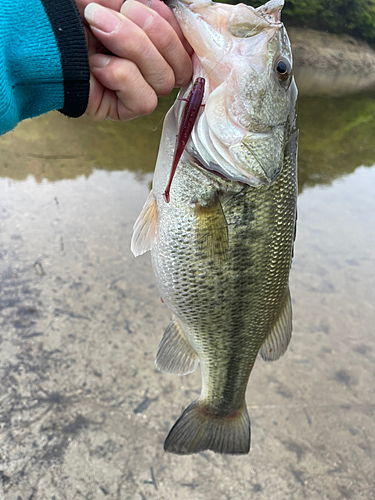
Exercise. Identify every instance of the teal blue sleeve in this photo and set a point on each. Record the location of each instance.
(38, 63)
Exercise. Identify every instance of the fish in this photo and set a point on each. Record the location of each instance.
(221, 248)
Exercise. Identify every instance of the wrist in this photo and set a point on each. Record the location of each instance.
(70, 37)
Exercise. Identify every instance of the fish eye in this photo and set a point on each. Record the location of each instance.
(283, 68)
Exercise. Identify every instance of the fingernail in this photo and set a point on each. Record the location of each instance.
(148, 3)
(101, 18)
(139, 14)
(99, 61)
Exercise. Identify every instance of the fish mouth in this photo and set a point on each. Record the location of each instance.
(241, 16)
(271, 11)
(213, 29)
(231, 45)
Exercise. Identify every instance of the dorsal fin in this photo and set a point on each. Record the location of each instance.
(144, 229)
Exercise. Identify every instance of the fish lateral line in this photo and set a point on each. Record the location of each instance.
(189, 117)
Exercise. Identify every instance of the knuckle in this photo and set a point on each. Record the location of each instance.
(185, 74)
(167, 39)
(146, 105)
(166, 84)
(183, 80)
(95, 117)
(136, 47)
(95, 111)
(119, 74)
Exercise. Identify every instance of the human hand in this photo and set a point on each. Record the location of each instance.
(136, 53)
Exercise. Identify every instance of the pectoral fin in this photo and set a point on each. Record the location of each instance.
(145, 227)
(175, 354)
(212, 229)
(277, 341)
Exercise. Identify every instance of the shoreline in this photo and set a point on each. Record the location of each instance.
(332, 65)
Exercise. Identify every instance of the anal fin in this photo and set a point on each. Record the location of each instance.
(175, 354)
(145, 227)
(277, 341)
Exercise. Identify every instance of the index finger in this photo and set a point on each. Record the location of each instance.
(163, 37)
(156, 5)
(110, 4)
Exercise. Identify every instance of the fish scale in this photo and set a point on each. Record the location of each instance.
(259, 224)
(222, 247)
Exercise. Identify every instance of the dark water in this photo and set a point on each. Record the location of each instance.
(83, 411)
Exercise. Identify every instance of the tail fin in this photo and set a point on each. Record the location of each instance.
(196, 430)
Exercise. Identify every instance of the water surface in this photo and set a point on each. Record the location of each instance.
(83, 410)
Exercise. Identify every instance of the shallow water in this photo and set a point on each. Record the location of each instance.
(83, 410)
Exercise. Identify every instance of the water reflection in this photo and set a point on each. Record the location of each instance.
(336, 137)
(52, 147)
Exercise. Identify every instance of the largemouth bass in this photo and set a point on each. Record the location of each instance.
(222, 247)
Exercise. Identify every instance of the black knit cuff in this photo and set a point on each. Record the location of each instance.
(68, 30)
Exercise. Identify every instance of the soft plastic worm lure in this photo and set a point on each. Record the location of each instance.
(190, 114)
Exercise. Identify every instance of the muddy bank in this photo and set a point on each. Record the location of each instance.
(327, 64)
